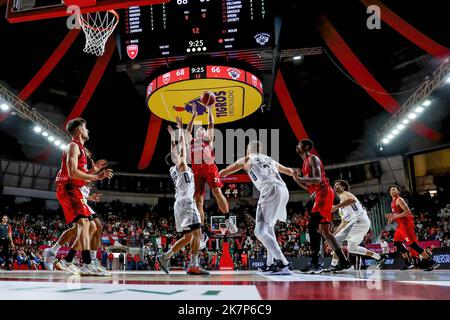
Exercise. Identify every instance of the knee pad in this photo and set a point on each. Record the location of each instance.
(416, 247)
(400, 247)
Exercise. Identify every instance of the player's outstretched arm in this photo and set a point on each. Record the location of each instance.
(190, 126)
(240, 164)
(349, 199)
(297, 178)
(182, 150)
(284, 170)
(210, 130)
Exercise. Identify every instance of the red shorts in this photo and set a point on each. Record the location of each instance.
(405, 231)
(72, 202)
(206, 173)
(323, 203)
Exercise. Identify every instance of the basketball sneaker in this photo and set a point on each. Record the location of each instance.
(196, 270)
(101, 269)
(268, 269)
(49, 258)
(380, 263)
(231, 225)
(336, 269)
(407, 266)
(163, 263)
(312, 268)
(432, 265)
(68, 267)
(282, 270)
(90, 270)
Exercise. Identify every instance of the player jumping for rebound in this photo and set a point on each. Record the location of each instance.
(204, 168)
(354, 225)
(405, 230)
(187, 217)
(316, 183)
(70, 180)
(274, 196)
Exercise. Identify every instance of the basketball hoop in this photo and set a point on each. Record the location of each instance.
(97, 27)
(223, 228)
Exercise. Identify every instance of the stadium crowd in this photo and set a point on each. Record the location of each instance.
(152, 230)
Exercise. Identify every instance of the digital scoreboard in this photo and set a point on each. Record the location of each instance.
(192, 27)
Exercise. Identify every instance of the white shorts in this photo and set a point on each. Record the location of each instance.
(186, 214)
(355, 230)
(272, 204)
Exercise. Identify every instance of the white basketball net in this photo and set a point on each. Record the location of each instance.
(97, 27)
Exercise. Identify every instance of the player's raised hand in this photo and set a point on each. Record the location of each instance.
(179, 122)
(389, 217)
(170, 129)
(105, 174)
(95, 197)
(100, 164)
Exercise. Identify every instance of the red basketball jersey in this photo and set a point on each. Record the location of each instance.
(202, 152)
(307, 171)
(397, 209)
(63, 178)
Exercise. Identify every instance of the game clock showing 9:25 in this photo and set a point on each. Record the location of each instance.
(191, 27)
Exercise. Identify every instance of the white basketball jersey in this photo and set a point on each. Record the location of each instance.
(263, 171)
(184, 182)
(352, 211)
(85, 191)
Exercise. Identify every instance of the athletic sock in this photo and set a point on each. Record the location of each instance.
(93, 254)
(86, 256)
(55, 247)
(168, 254)
(71, 255)
(194, 260)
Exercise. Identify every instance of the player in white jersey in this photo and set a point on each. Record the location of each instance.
(265, 175)
(187, 217)
(354, 225)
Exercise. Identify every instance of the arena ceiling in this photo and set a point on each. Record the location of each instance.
(337, 113)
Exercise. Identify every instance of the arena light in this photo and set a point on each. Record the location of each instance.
(426, 103)
(401, 127)
(297, 58)
(386, 141)
(390, 136)
(51, 138)
(57, 143)
(448, 80)
(395, 132)
(412, 115)
(37, 129)
(406, 121)
(4, 107)
(419, 109)
(62, 146)
(45, 134)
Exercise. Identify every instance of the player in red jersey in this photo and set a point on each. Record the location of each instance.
(314, 180)
(71, 178)
(205, 169)
(405, 230)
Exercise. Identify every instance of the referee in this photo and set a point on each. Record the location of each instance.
(6, 240)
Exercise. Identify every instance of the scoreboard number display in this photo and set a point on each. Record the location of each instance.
(191, 27)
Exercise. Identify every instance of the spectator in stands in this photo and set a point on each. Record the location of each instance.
(6, 241)
(105, 258)
(129, 261)
(121, 261)
(110, 260)
(137, 260)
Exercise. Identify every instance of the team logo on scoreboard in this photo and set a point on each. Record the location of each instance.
(254, 80)
(262, 38)
(150, 89)
(166, 78)
(234, 73)
(132, 51)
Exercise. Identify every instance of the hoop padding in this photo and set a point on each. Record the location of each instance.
(97, 27)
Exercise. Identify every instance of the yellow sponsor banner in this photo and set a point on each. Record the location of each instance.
(234, 100)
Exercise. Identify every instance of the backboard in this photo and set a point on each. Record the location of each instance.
(31, 10)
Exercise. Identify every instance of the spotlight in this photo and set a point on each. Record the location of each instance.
(395, 132)
(45, 134)
(419, 109)
(406, 121)
(37, 129)
(62, 146)
(426, 103)
(448, 79)
(297, 58)
(390, 136)
(386, 141)
(412, 115)
(57, 143)
(51, 138)
(400, 127)
(4, 107)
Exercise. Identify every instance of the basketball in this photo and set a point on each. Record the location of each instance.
(207, 98)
